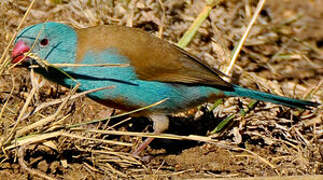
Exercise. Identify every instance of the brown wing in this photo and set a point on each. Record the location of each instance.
(154, 59)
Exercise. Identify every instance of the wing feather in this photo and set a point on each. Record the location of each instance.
(153, 59)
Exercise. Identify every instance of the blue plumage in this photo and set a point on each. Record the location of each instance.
(158, 70)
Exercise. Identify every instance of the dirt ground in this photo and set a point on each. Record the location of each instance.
(282, 55)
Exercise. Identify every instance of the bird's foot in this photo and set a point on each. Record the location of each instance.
(140, 148)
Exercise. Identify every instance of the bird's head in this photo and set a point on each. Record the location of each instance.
(53, 42)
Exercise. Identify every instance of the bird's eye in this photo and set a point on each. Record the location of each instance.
(44, 42)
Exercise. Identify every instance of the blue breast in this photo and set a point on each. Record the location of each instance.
(130, 91)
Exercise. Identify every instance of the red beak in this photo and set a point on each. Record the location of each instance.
(18, 51)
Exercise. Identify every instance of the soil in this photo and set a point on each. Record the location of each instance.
(283, 54)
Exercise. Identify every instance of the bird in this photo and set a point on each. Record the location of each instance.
(151, 70)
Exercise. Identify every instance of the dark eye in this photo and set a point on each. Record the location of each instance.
(44, 42)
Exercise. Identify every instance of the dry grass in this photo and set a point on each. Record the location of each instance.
(51, 132)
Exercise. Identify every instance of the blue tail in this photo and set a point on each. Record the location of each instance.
(294, 103)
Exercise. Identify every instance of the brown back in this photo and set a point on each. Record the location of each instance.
(154, 59)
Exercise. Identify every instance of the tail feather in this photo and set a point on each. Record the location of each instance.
(290, 102)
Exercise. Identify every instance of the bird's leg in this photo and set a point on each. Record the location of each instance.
(161, 123)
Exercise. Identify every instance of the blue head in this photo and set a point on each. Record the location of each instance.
(51, 41)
